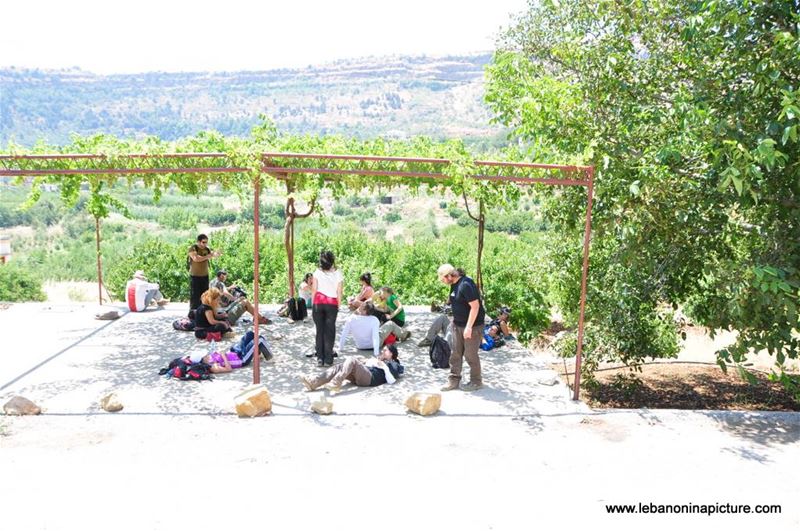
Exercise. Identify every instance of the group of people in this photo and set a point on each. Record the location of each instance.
(378, 319)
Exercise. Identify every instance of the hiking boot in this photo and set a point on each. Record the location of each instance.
(405, 335)
(307, 384)
(425, 343)
(451, 386)
(473, 386)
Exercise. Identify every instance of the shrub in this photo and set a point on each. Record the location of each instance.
(17, 284)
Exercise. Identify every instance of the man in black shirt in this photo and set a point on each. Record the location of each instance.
(370, 372)
(468, 317)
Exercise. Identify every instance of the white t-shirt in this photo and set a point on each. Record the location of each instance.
(364, 329)
(328, 282)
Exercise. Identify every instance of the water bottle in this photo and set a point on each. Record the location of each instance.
(213, 348)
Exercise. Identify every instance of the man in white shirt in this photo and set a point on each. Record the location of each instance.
(367, 331)
(139, 293)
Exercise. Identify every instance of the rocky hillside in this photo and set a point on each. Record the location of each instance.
(388, 96)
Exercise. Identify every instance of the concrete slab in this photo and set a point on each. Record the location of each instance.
(516, 455)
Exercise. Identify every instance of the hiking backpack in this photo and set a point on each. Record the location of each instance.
(440, 353)
(184, 369)
(297, 309)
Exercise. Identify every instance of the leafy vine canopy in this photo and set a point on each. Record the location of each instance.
(209, 158)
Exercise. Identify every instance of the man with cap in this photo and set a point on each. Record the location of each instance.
(139, 293)
(235, 303)
(467, 328)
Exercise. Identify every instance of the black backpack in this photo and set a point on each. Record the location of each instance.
(297, 309)
(440, 353)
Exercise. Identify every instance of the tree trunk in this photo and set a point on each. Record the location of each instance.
(99, 264)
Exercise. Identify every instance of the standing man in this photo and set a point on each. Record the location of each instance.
(199, 255)
(468, 317)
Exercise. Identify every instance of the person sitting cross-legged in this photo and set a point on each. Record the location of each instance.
(363, 372)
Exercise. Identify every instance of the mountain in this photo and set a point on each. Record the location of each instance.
(376, 96)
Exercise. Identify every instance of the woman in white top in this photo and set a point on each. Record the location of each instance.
(326, 292)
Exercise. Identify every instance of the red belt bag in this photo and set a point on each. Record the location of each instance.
(319, 298)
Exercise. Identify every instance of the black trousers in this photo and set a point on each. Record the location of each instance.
(324, 316)
(197, 287)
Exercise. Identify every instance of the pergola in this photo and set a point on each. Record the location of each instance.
(287, 166)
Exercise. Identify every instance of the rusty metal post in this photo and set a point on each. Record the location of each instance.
(99, 265)
(256, 330)
(587, 234)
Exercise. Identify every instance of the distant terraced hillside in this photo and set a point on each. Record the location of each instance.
(394, 96)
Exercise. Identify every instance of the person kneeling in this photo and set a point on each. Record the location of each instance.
(363, 372)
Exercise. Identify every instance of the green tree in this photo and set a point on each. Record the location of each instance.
(690, 111)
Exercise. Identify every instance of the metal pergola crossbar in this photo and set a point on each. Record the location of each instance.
(283, 165)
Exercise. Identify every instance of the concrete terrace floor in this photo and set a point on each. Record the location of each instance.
(516, 455)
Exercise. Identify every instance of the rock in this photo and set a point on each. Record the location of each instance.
(111, 403)
(424, 403)
(322, 407)
(19, 405)
(548, 378)
(108, 316)
(254, 401)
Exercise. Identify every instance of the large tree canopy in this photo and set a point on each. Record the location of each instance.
(690, 110)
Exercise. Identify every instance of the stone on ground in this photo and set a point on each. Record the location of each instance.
(19, 405)
(424, 403)
(322, 407)
(111, 403)
(254, 401)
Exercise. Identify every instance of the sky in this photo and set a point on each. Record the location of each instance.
(119, 36)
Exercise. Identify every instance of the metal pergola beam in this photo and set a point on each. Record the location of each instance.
(9, 167)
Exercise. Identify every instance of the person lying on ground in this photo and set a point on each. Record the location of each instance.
(492, 337)
(363, 372)
(218, 362)
(139, 293)
(233, 302)
(364, 295)
(206, 317)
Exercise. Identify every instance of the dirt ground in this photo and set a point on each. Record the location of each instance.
(693, 380)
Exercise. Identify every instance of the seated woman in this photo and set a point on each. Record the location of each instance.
(364, 295)
(206, 314)
(305, 290)
(394, 308)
